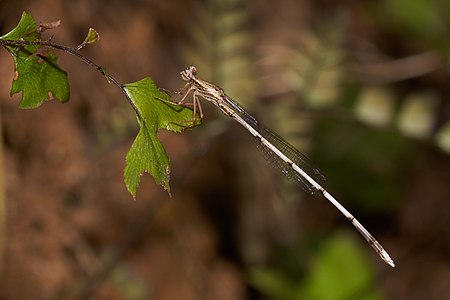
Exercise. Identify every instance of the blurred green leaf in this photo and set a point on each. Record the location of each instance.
(443, 137)
(273, 283)
(417, 115)
(341, 271)
(375, 106)
(428, 20)
(147, 154)
(38, 76)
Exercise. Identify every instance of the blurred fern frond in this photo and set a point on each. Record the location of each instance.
(306, 78)
(220, 47)
(315, 71)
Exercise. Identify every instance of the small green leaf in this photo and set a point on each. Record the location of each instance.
(147, 153)
(91, 38)
(37, 75)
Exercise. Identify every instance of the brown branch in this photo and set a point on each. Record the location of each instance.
(397, 70)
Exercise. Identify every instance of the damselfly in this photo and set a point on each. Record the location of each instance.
(288, 159)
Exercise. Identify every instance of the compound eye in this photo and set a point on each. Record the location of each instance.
(189, 73)
(193, 70)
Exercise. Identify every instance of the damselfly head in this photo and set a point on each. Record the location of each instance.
(189, 73)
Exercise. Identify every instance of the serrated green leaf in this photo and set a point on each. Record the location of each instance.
(147, 153)
(37, 76)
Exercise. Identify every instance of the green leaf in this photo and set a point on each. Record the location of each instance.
(37, 75)
(147, 153)
(91, 38)
(39, 78)
(341, 271)
(274, 283)
(26, 30)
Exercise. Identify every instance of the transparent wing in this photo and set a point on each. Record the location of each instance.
(287, 149)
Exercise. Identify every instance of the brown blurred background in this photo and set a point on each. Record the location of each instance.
(362, 87)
